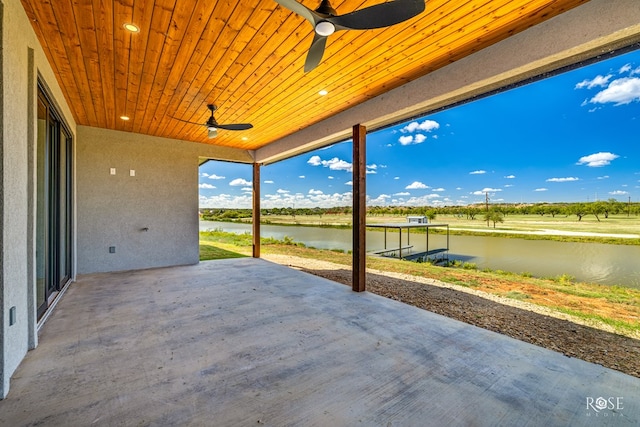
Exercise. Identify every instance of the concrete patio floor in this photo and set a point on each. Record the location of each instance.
(245, 342)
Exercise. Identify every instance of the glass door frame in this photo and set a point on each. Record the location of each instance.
(54, 231)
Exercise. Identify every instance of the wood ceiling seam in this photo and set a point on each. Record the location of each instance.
(266, 51)
(187, 75)
(58, 63)
(142, 17)
(104, 40)
(85, 24)
(287, 57)
(202, 13)
(220, 140)
(156, 42)
(175, 35)
(208, 85)
(121, 57)
(194, 97)
(76, 61)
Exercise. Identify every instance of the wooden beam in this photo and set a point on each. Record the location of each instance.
(359, 209)
(256, 210)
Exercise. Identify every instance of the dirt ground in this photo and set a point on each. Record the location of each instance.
(526, 322)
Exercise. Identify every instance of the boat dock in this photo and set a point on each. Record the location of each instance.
(405, 251)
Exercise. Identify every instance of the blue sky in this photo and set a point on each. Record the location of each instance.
(572, 138)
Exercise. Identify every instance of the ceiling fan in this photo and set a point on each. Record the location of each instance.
(213, 126)
(326, 21)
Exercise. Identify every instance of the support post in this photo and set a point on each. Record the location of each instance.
(359, 209)
(256, 210)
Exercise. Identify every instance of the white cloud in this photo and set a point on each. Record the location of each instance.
(349, 183)
(510, 177)
(604, 177)
(598, 81)
(396, 177)
(508, 185)
(416, 185)
(337, 165)
(618, 193)
(620, 92)
(486, 190)
(268, 181)
(212, 176)
(405, 140)
(315, 192)
(247, 189)
(598, 159)
(419, 138)
(238, 182)
(540, 189)
(227, 201)
(315, 161)
(206, 186)
(281, 191)
(380, 200)
(333, 164)
(479, 172)
(624, 69)
(403, 193)
(329, 177)
(427, 126)
(567, 179)
(438, 189)
(302, 177)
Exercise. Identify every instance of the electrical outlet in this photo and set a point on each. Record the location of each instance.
(12, 316)
(112, 249)
(112, 171)
(132, 172)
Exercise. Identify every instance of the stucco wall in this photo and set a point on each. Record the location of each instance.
(22, 61)
(114, 210)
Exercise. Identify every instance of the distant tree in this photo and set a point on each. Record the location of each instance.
(578, 209)
(599, 208)
(472, 212)
(494, 216)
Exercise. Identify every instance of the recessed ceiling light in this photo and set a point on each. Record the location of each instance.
(131, 27)
(125, 118)
(323, 92)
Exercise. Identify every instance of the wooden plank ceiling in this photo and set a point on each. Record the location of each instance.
(246, 57)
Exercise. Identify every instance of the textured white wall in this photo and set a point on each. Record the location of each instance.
(113, 210)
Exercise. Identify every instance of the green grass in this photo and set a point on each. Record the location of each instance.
(517, 295)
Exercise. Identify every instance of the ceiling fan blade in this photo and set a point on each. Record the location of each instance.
(314, 56)
(213, 133)
(236, 126)
(300, 9)
(380, 15)
(186, 121)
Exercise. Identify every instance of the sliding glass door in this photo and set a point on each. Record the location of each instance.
(54, 204)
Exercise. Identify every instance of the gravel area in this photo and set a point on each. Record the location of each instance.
(517, 319)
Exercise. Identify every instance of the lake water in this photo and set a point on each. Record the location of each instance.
(587, 262)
